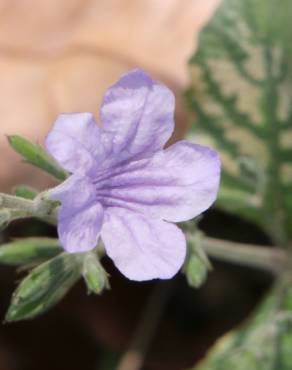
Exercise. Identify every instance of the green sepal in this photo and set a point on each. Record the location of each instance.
(37, 156)
(96, 278)
(197, 264)
(26, 192)
(29, 251)
(196, 271)
(44, 287)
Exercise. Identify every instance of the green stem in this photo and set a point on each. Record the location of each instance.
(262, 257)
(18, 207)
(11, 201)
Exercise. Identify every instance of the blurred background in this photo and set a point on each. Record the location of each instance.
(60, 56)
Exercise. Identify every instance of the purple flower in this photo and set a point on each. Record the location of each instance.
(124, 187)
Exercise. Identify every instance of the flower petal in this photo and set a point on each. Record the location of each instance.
(137, 114)
(143, 248)
(176, 184)
(74, 142)
(79, 232)
(75, 193)
(80, 216)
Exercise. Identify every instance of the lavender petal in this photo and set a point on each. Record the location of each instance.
(143, 248)
(75, 141)
(137, 115)
(79, 232)
(176, 184)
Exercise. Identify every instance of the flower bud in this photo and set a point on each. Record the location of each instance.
(95, 276)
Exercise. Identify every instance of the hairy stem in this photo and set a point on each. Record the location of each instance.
(40, 207)
(262, 257)
(11, 201)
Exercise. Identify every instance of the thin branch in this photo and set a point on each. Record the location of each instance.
(262, 257)
(11, 201)
(20, 208)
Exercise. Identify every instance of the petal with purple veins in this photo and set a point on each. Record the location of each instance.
(79, 231)
(75, 142)
(176, 184)
(137, 116)
(75, 193)
(80, 216)
(143, 248)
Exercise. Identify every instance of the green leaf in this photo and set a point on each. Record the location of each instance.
(25, 192)
(29, 250)
(263, 343)
(242, 102)
(197, 264)
(45, 286)
(37, 156)
(95, 276)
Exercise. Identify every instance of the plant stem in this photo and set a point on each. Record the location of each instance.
(40, 207)
(11, 201)
(262, 257)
